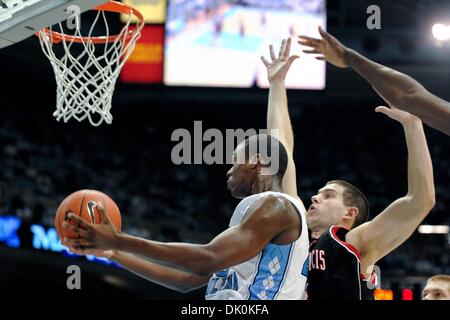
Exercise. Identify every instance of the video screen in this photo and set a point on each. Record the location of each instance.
(218, 43)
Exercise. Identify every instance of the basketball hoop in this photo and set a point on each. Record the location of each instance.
(86, 79)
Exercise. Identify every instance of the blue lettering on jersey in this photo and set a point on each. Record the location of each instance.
(222, 280)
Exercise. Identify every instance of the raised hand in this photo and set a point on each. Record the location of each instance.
(279, 66)
(403, 117)
(329, 48)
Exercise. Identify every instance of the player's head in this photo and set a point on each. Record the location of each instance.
(337, 203)
(260, 157)
(437, 288)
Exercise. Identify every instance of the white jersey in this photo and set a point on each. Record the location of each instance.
(278, 272)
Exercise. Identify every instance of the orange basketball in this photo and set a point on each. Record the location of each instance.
(83, 203)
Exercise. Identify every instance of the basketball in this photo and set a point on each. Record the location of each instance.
(83, 203)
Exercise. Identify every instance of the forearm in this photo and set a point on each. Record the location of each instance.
(420, 168)
(398, 221)
(395, 224)
(278, 118)
(164, 276)
(189, 258)
(394, 86)
(402, 91)
(278, 114)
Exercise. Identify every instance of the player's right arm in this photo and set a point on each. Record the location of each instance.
(395, 224)
(277, 110)
(394, 87)
(170, 278)
(267, 219)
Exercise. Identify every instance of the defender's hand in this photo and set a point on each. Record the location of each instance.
(278, 68)
(329, 48)
(405, 118)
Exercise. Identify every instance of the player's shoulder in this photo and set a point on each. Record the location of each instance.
(273, 198)
(277, 202)
(355, 236)
(272, 210)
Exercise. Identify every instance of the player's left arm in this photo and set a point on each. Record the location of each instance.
(265, 220)
(393, 86)
(177, 280)
(277, 110)
(393, 226)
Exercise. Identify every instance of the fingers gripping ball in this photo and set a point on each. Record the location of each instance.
(84, 204)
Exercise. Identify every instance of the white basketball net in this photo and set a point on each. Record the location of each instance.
(85, 78)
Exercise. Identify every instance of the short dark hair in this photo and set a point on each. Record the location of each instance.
(271, 143)
(353, 197)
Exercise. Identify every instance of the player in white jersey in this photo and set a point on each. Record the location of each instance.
(277, 272)
(262, 255)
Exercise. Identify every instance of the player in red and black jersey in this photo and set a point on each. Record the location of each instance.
(335, 269)
(345, 246)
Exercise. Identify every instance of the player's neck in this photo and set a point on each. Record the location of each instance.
(266, 183)
(315, 234)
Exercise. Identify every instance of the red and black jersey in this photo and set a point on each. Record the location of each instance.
(335, 269)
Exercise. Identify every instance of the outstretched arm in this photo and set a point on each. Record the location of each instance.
(266, 219)
(393, 226)
(394, 87)
(177, 280)
(277, 111)
(180, 281)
